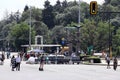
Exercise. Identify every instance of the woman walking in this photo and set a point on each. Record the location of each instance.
(41, 62)
(13, 63)
(108, 62)
(115, 63)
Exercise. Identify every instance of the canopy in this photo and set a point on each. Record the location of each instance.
(36, 51)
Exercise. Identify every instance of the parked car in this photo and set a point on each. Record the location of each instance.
(59, 59)
(75, 59)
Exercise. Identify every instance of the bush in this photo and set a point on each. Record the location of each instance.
(84, 57)
(94, 59)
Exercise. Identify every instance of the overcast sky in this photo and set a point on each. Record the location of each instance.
(15, 5)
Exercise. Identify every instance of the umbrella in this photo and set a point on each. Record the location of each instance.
(36, 51)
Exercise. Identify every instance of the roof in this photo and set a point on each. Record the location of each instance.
(44, 45)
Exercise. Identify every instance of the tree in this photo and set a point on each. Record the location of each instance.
(116, 43)
(20, 35)
(70, 14)
(88, 35)
(4, 34)
(115, 2)
(64, 4)
(36, 15)
(107, 2)
(26, 8)
(103, 36)
(72, 3)
(116, 23)
(57, 33)
(57, 7)
(48, 16)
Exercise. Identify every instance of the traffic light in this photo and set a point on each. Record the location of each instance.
(93, 7)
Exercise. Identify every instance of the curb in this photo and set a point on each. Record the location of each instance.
(99, 64)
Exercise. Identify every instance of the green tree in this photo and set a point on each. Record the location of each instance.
(103, 36)
(20, 35)
(116, 42)
(64, 4)
(48, 15)
(26, 8)
(72, 3)
(4, 34)
(88, 35)
(115, 2)
(107, 2)
(36, 15)
(57, 7)
(57, 34)
(70, 14)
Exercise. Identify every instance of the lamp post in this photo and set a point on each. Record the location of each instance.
(30, 30)
(78, 31)
(79, 15)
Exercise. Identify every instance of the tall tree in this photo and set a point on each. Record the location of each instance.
(115, 2)
(26, 8)
(72, 3)
(116, 42)
(20, 35)
(107, 2)
(64, 4)
(57, 7)
(48, 15)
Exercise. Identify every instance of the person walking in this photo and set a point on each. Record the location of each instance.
(108, 62)
(2, 58)
(13, 62)
(18, 62)
(115, 63)
(41, 62)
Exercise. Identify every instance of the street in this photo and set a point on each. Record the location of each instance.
(58, 72)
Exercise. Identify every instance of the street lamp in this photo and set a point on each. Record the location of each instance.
(79, 14)
(30, 30)
(78, 32)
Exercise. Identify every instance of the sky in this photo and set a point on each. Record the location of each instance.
(8, 6)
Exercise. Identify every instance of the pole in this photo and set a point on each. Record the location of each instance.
(30, 30)
(110, 39)
(79, 15)
(78, 32)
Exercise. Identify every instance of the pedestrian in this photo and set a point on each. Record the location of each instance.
(41, 62)
(8, 55)
(2, 58)
(13, 62)
(115, 63)
(18, 62)
(1, 63)
(108, 62)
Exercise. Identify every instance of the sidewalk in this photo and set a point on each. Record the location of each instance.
(103, 63)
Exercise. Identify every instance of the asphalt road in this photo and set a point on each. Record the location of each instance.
(59, 72)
